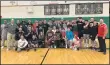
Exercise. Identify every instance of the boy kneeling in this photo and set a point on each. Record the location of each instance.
(22, 44)
(34, 42)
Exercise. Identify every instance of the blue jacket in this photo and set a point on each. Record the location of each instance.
(69, 35)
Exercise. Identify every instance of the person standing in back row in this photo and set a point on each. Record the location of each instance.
(4, 28)
(86, 34)
(102, 32)
(93, 30)
(11, 34)
(40, 28)
(29, 23)
(45, 27)
(80, 25)
(74, 27)
(91, 22)
(34, 26)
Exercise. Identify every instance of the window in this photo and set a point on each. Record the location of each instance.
(89, 8)
(56, 9)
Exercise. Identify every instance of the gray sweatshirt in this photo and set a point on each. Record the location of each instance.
(11, 28)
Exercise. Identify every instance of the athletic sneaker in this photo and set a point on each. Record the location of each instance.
(54, 46)
(104, 53)
(75, 48)
(93, 48)
(51, 46)
(14, 48)
(87, 45)
(27, 50)
(90, 47)
(78, 48)
(66, 47)
(7, 49)
(2, 47)
(70, 47)
(34, 49)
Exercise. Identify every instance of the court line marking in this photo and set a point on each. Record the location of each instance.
(44, 56)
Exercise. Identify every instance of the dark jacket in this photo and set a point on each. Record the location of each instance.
(18, 34)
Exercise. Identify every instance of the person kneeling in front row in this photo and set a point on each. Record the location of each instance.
(75, 44)
(22, 44)
(34, 42)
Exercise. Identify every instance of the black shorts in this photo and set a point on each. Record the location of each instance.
(80, 34)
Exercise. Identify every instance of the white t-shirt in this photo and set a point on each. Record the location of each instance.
(22, 43)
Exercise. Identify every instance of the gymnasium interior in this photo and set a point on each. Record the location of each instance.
(39, 10)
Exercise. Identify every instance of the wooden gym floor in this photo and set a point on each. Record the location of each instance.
(55, 56)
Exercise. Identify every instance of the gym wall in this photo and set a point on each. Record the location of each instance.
(21, 13)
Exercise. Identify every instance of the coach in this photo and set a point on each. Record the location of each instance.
(11, 34)
(102, 32)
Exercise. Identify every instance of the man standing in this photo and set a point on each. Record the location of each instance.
(80, 25)
(86, 34)
(4, 28)
(24, 27)
(102, 32)
(93, 30)
(11, 34)
(91, 20)
(29, 23)
(34, 26)
(45, 27)
(40, 28)
(90, 26)
(18, 25)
